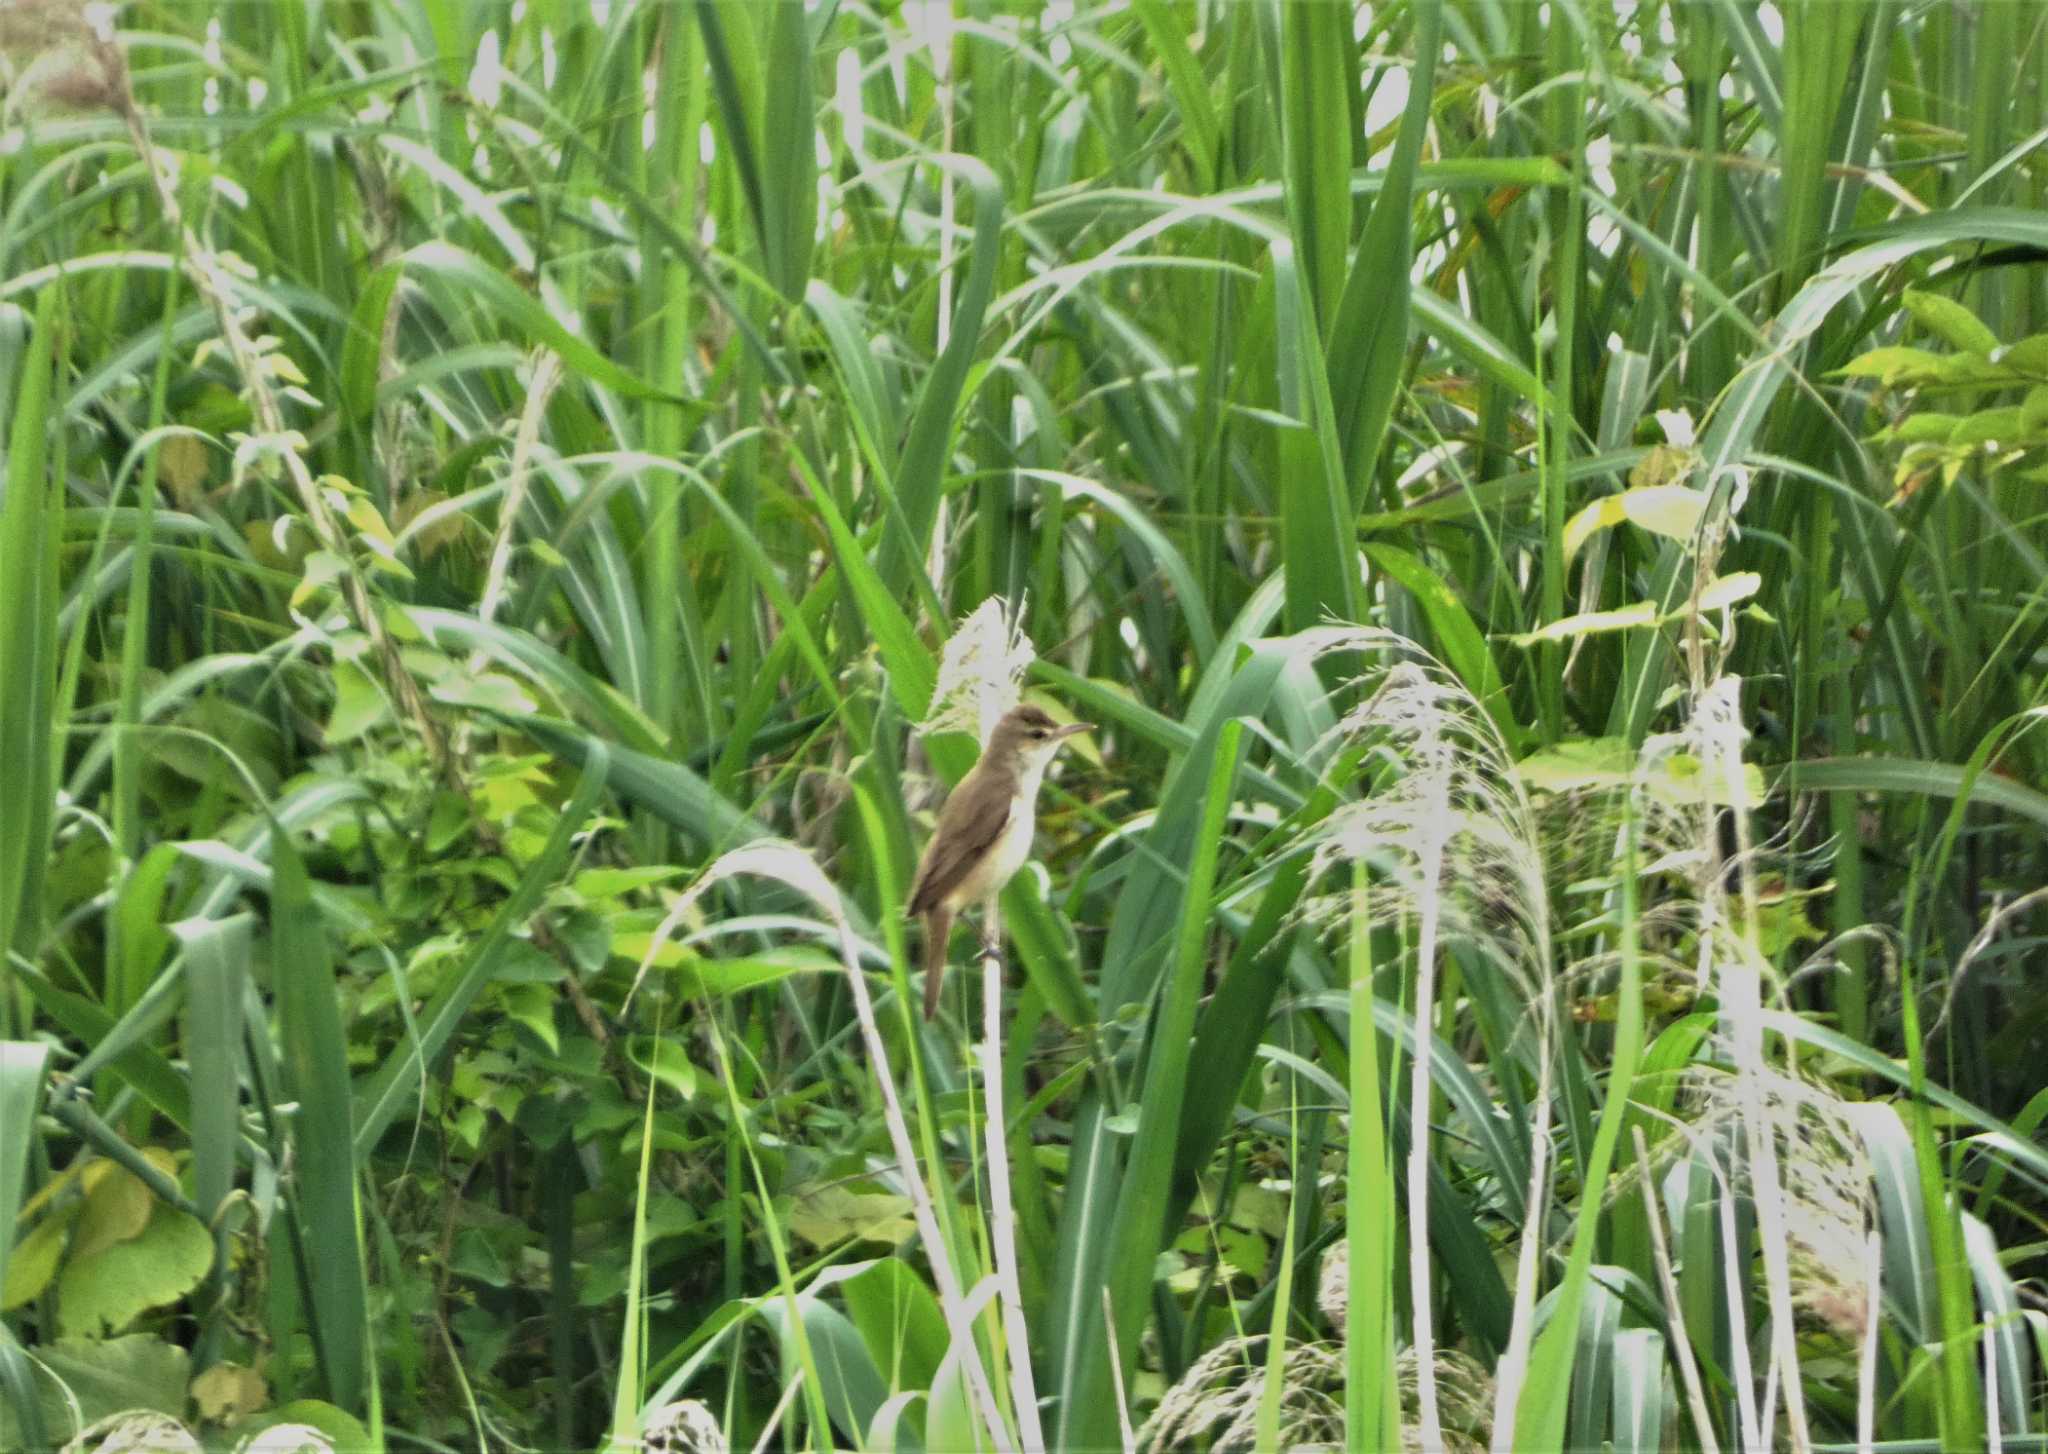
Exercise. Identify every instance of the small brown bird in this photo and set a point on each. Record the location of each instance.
(984, 833)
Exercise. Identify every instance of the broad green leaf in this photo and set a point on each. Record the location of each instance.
(1200, 130)
(89, 1379)
(1368, 340)
(488, 691)
(851, 1385)
(665, 1061)
(899, 1321)
(359, 704)
(1319, 556)
(1578, 763)
(921, 468)
(789, 152)
(1933, 779)
(1316, 106)
(340, 1429)
(1894, 364)
(1724, 591)
(100, 1294)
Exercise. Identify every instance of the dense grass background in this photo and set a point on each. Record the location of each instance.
(1545, 503)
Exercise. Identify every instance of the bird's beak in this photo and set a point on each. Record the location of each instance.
(1072, 729)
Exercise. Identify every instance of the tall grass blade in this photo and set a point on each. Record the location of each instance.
(1368, 338)
(325, 1220)
(1312, 51)
(921, 468)
(1321, 562)
(1144, 1191)
(789, 190)
(216, 976)
(31, 523)
(1372, 1401)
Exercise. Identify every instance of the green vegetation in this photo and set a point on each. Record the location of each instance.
(1544, 503)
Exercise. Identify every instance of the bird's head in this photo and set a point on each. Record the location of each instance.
(1029, 735)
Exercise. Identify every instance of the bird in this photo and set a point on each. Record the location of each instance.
(984, 832)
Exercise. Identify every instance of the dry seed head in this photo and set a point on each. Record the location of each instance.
(1824, 1175)
(288, 1439)
(981, 671)
(57, 54)
(138, 1431)
(1449, 818)
(1216, 1402)
(1217, 1399)
(1464, 1393)
(684, 1427)
(1333, 1284)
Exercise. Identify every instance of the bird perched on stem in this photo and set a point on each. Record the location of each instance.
(984, 834)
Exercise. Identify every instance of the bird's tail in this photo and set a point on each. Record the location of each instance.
(938, 928)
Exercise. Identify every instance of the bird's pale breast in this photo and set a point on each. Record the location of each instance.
(1000, 864)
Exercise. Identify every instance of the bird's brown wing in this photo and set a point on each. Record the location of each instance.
(969, 825)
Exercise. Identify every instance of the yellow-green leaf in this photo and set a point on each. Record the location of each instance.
(1672, 511)
(1949, 321)
(34, 1260)
(229, 1391)
(1590, 623)
(1723, 591)
(1578, 762)
(826, 1216)
(1682, 781)
(611, 883)
(117, 1207)
(1893, 365)
(1665, 464)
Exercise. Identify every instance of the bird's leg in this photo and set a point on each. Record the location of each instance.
(991, 931)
